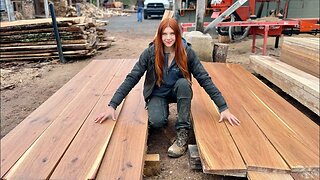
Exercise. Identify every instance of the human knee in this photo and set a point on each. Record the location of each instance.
(157, 121)
(183, 88)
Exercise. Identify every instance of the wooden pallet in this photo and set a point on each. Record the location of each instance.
(60, 140)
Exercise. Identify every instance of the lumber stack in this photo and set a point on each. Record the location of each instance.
(302, 53)
(60, 139)
(34, 39)
(274, 140)
(302, 86)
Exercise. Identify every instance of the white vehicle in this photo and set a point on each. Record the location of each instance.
(155, 7)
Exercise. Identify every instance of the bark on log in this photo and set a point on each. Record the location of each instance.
(220, 52)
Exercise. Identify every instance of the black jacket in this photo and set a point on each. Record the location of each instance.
(146, 63)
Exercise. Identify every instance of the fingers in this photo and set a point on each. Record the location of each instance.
(100, 118)
(220, 120)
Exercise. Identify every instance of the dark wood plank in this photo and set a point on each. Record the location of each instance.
(17, 141)
(42, 157)
(218, 152)
(83, 157)
(305, 130)
(124, 158)
(291, 141)
(253, 150)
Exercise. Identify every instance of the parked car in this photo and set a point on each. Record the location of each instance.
(155, 7)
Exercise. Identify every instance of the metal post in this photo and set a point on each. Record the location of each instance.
(200, 11)
(46, 9)
(78, 9)
(56, 33)
(8, 9)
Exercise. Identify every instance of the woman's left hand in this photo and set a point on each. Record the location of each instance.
(226, 114)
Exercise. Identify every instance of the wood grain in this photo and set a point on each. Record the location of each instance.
(298, 84)
(253, 145)
(218, 152)
(124, 158)
(83, 157)
(253, 175)
(296, 142)
(18, 140)
(42, 157)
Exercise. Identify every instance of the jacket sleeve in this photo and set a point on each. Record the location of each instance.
(131, 80)
(205, 81)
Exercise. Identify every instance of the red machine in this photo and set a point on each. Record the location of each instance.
(243, 13)
(239, 18)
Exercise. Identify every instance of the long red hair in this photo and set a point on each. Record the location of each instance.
(180, 52)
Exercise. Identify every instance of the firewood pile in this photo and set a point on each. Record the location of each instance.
(88, 10)
(35, 40)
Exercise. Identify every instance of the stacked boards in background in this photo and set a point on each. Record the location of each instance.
(35, 40)
(297, 71)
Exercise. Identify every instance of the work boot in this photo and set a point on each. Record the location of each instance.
(179, 147)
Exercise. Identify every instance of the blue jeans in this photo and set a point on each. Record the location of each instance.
(158, 107)
(139, 14)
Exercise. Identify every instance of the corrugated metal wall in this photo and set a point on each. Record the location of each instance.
(297, 8)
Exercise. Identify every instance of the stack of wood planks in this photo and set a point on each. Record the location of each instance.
(302, 53)
(297, 71)
(35, 40)
(60, 139)
(273, 141)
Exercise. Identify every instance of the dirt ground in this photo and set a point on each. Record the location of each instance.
(26, 85)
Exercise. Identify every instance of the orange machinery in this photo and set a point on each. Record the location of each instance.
(243, 13)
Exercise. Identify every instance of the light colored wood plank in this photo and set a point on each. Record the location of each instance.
(41, 21)
(218, 152)
(124, 158)
(294, 135)
(302, 53)
(300, 85)
(253, 150)
(253, 175)
(306, 175)
(83, 157)
(18, 140)
(42, 157)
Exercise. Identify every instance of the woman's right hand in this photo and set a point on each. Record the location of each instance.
(110, 112)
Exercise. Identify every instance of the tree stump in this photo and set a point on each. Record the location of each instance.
(220, 52)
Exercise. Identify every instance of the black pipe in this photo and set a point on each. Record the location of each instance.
(56, 33)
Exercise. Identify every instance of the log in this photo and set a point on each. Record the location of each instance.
(220, 52)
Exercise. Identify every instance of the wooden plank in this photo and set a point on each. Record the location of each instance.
(42, 157)
(42, 21)
(253, 150)
(124, 158)
(83, 157)
(40, 47)
(306, 175)
(18, 140)
(253, 175)
(78, 41)
(31, 31)
(152, 165)
(298, 84)
(302, 53)
(296, 137)
(213, 138)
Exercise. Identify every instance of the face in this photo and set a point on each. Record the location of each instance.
(168, 37)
